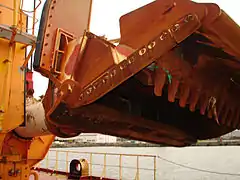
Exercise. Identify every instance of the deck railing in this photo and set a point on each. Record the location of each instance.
(19, 12)
(105, 165)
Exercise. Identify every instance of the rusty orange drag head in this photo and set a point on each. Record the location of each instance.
(172, 79)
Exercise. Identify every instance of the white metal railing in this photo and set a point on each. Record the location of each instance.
(106, 165)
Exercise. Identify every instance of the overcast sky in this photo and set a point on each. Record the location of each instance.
(105, 21)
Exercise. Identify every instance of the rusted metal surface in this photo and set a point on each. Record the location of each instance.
(101, 119)
(111, 75)
(59, 14)
(181, 54)
(141, 25)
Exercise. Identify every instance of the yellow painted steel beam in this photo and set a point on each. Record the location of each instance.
(20, 154)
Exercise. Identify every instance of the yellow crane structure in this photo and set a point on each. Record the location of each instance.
(172, 79)
(18, 155)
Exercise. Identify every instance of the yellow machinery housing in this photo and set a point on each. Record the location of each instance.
(18, 154)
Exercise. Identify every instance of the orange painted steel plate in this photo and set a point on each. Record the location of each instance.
(73, 17)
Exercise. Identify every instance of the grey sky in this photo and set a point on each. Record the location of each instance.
(105, 21)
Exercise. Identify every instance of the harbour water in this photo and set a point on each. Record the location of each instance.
(190, 163)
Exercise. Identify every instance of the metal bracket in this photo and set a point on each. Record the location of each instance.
(6, 32)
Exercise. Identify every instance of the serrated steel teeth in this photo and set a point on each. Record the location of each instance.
(173, 89)
(212, 110)
(160, 80)
(210, 114)
(220, 107)
(195, 95)
(185, 92)
(215, 114)
(204, 100)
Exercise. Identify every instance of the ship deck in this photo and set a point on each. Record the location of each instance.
(44, 176)
(105, 166)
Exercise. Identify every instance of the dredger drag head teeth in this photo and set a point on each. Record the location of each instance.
(195, 96)
(173, 89)
(160, 80)
(185, 93)
(204, 100)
